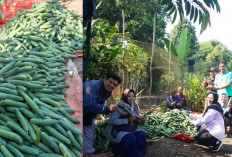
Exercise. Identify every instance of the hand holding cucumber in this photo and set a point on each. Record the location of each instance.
(113, 108)
(143, 119)
(131, 119)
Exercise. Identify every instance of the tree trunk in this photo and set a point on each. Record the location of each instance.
(123, 53)
(169, 66)
(152, 55)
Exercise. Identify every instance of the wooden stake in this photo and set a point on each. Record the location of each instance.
(152, 55)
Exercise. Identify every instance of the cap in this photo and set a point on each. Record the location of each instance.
(212, 69)
(173, 90)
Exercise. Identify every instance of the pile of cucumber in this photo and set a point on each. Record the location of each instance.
(168, 124)
(156, 126)
(34, 117)
(100, 140)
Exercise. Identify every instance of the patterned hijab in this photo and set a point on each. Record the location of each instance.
(133, 107)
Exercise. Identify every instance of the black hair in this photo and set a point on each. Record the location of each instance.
(222, 62)
(215, 97)
(124, 97)
(115, 77)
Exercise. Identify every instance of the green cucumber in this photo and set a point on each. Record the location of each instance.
(69, 127)
(71, 71)
(65, 114)
(14, 150)
(11, 72)
(49, 155)
(43, 121)
(19, 130)
(21, 120)
(17, 77)
(50, 102)
(31, 104)
(2, 141)
(31, 130)
(40, 103)
(8, 91)
(74, 141)
(21, 88)
(2, 109)
(27, 113)
(44, 148)
(5, 151)
(60, 129)
(10, 96)
(56, 134)
(5, 128)
(13, 103)
(8, 85)
(69, 110)
(7, 68)
(11, 136)
(75, 151)
(47, 140)
(38, 136)
(65, 151)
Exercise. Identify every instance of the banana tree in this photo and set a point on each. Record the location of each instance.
(194, 9)
(182, 48)
(180, 51)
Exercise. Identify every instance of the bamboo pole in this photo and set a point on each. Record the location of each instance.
(169, 62)
(152, 55)
(123, 53)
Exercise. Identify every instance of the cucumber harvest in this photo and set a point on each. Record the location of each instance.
(34, 47)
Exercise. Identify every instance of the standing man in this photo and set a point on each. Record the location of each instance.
(210, 83)
(95, 93)
(184, 98)
(223, 80)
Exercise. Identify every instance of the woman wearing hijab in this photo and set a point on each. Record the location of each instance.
(212, 124)
(123, 130)
(223, 100)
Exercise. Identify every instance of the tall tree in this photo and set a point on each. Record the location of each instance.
(138, 18)
(194, 9)
(182, 25)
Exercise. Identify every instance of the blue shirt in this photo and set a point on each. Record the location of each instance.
(94, 97)
(222, 80)
(172, 99)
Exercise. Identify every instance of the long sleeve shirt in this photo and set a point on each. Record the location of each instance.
(172, 99)
(214, 123)
(94, 97)
(116, 120)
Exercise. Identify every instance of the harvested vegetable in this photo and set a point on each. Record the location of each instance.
(34, 46)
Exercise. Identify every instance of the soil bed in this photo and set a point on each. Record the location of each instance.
(177, 148)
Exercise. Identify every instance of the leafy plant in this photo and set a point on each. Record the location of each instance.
(135, 65)
(106, 57)
(195, 9)
(105, 46)
(196, 92)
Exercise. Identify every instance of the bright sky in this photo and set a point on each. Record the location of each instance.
(221, 25)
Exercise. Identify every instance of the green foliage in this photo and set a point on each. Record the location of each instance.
(210, 53)
(138, 18)
(174, 82)
(104, 49)
(193, 9)
(183, 45)
(196, 93)
(176, 33)
(106, 57)
(135, 66)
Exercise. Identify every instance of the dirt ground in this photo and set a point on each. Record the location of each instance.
(169, 147)
(78, 62)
